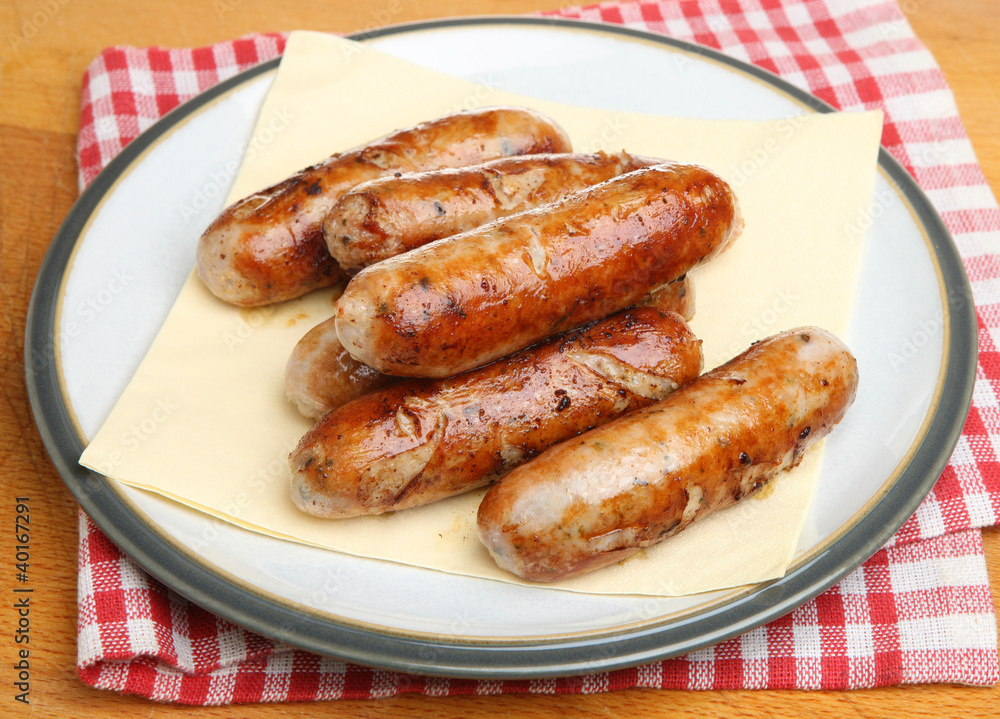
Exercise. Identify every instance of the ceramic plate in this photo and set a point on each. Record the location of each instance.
(118, 262)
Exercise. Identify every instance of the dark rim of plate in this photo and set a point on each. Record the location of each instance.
(494, 660)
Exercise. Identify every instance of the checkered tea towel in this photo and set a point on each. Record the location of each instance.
(920, 610)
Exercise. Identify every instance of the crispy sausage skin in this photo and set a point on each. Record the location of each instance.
(631, 483)
(388, 216)
(269, 247)
(418, 441)
(677, 296)
(321, 375)
(466, 300)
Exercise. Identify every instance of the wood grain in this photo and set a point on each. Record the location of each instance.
(45, 46)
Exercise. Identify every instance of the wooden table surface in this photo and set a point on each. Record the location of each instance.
(45, 46)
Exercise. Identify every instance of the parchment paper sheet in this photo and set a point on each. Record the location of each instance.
(212, 383)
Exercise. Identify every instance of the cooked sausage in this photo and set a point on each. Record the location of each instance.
(418, 441)
(631, 483)
(269, 247)
(676, 296)
(321, 375)
(468, 299)
(390, 215)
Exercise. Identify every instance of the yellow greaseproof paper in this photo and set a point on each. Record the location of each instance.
(222, 448)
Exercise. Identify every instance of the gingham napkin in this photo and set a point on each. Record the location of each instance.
(919, 611)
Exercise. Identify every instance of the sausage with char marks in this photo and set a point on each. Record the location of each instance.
(321, 375)
(391, 215)
(418, 441)
(466, 300)
(269, 247)
(631, 483)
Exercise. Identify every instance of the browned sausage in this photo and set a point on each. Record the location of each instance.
(320, 374)
(269, 247)
(677, 296)
(468, 299)
(390, 215)
(418, 441)
(631, 483)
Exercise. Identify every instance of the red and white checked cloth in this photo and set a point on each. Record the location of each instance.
(919, 611)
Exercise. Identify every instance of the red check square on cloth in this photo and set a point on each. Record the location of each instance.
(920, 610)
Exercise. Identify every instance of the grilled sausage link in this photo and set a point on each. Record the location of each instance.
(466, 300)
(418, 441)
(677, 296)
(633, 482)
(391, 215)
(321, 375)
(269, 247)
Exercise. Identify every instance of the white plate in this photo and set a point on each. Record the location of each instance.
(120, 258)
